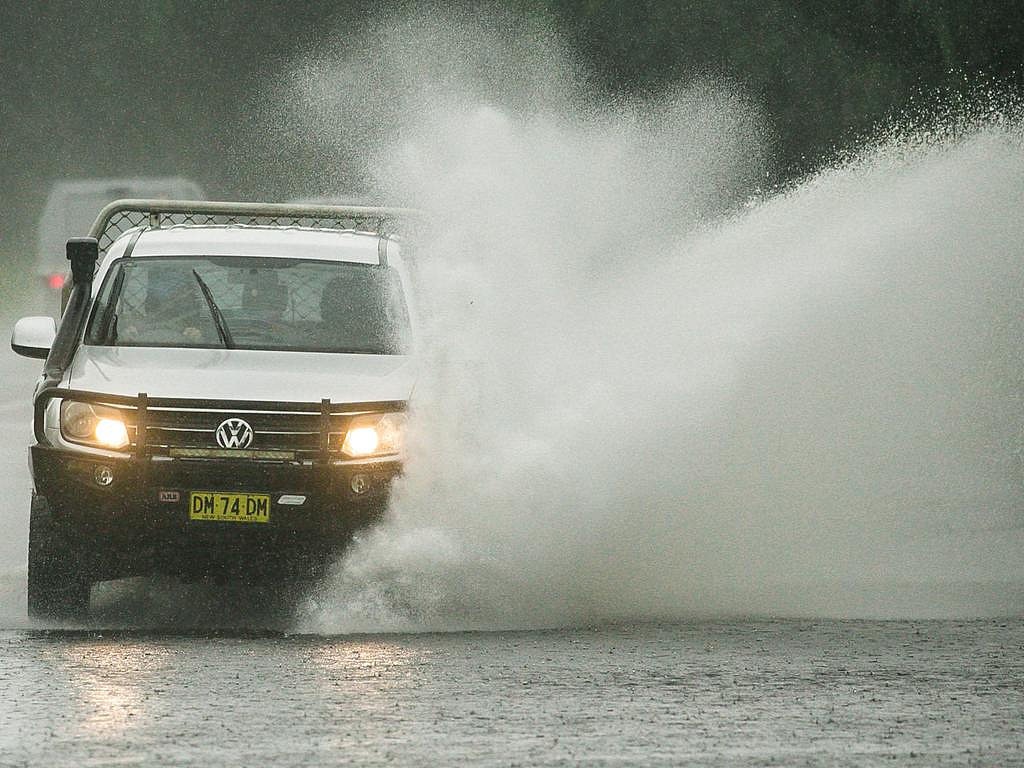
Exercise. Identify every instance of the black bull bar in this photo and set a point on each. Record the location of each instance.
(142, 402)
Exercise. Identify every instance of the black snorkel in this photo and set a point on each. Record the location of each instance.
(83, 253)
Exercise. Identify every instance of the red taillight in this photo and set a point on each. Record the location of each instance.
(55, 281)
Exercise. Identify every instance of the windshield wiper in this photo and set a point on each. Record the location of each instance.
(218, 318)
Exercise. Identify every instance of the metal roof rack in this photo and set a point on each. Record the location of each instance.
(122, 215)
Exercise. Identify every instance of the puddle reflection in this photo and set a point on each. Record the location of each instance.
(109, 683)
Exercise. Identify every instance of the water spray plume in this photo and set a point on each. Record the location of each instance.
(645, 398)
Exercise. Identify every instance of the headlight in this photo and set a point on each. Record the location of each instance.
(377, 434)
(92, 424)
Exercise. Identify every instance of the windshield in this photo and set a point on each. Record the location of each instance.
(239, 302)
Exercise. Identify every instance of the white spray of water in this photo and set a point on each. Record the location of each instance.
(640, 399)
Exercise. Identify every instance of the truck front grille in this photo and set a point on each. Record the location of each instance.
(180, 428)
(295, 434)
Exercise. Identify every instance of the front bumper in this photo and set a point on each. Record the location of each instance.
(139, 524)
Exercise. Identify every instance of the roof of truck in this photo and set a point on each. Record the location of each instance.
(248, 240)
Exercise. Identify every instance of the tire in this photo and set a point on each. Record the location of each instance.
(58, 587)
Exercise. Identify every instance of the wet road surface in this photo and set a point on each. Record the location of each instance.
(710, 693)
(728, 693)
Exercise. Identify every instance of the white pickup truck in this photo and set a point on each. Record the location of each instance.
(226, 394)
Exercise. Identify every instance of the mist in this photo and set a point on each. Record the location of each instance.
(650, 388)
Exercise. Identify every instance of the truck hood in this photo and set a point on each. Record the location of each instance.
(239, 374)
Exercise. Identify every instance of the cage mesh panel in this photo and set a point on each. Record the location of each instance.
(133, 296)
(122, 221)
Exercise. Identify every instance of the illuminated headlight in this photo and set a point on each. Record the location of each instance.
(92, 425)
(377, 434)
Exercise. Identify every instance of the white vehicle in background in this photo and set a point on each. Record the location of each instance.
(71, 209)
(225, 396)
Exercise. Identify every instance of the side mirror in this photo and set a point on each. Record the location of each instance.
(33, 336)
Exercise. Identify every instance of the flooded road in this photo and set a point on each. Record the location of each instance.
(944, 691)
(715, 693)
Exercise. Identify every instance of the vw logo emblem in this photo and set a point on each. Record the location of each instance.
(234, 433)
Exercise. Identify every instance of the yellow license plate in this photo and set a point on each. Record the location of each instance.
(229, 507)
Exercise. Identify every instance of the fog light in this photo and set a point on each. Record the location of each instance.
(103, 475)
(360, 483)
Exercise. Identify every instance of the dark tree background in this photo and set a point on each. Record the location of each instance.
(136, 87)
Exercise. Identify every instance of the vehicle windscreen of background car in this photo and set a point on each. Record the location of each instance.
(251, 303)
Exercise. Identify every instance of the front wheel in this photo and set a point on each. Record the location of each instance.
(57, 587)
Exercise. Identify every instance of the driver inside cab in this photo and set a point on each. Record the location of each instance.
(171, 312)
